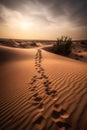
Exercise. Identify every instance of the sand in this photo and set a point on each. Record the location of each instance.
(41, 91)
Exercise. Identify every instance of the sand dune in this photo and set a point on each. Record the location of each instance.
(41, 91)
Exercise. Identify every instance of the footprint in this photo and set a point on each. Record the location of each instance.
(39, 60)
(56, 118)
(39, 71)
(38, 65)
(60, 117)
(47, 82)
(51, 92)
(54, 91)
(36, 68)
(47, 88)
(40, 107)
(42, 70)
(54, 97)
(35, 64)
(33, 80)
(36, 58)
(42, 73)
(55, 114)
(64, 114)
(40, 77)
(35, 76)
(32, 89)
(62, 124)
(30, 83)
(44, 76)
(38, 99)
(35, 103)
(54, 94)
(35, 95)
(57, 107)
(48, 92)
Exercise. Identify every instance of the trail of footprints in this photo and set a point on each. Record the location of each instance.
(58, 116)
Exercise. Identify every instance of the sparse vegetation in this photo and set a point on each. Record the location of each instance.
(33, 44)
(18, 43)
(83, 42)
(63, 46)
(7, 42)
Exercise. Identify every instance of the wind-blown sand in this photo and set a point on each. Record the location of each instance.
(41, 91)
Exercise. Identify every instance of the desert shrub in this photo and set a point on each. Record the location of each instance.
(33, 44)
(81, 56)
(7, 42)
(63, 46)
(83, 42)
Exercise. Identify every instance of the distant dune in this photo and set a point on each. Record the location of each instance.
(41, 90)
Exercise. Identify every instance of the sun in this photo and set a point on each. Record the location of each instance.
(24, 25)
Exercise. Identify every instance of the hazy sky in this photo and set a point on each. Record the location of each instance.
(43, 19)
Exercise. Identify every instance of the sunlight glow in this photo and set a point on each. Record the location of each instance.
(24, 25)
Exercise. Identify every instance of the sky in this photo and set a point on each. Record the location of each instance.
(43, 19)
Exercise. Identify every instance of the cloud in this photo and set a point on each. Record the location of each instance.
(51, 10)
(7, 15)
(74, 10)
(29, 12)
(50, 15)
